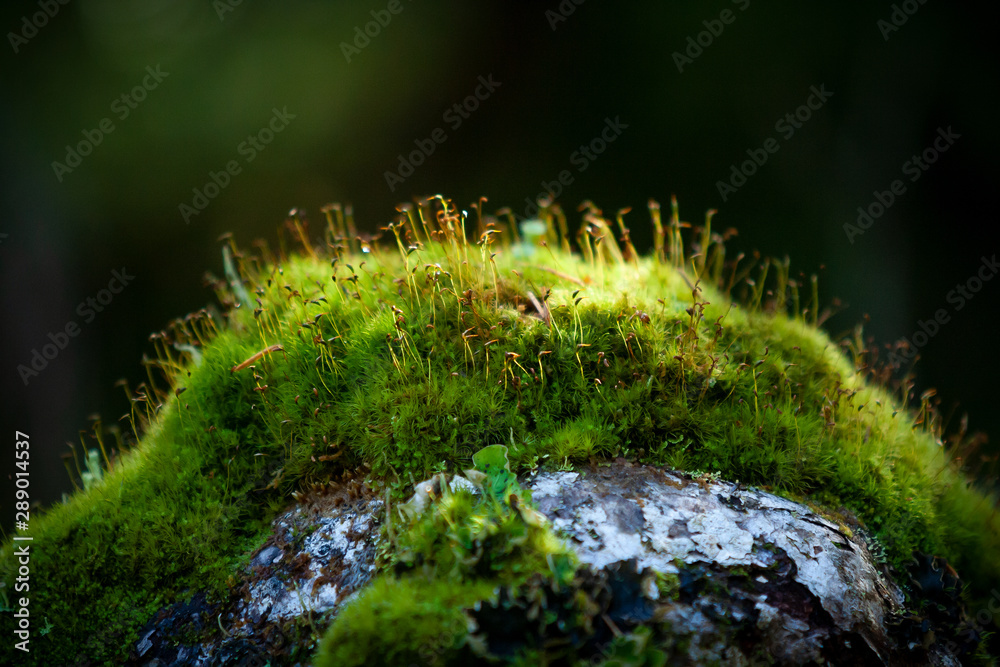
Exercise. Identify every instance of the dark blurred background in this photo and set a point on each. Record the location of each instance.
(560, 70)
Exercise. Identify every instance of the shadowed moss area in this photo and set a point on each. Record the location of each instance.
(410, 356)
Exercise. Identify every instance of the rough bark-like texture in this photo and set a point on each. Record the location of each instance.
(754, 577)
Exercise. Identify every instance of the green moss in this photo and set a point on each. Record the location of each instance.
(401, 358)
(446, 558)
(414, 620)
(668, 585)
(494, 535)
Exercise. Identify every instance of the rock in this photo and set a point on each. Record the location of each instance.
(796, 578)
(267, 556)
(737, 573)
(321, 552)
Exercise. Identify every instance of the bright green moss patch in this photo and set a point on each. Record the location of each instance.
(402, 621)
(462, 540)
(413, 356)
(447, 551)
(483, 577)
(494, 535)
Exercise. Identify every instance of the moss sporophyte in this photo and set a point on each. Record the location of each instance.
(413, 355)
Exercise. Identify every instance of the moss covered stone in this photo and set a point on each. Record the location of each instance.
(404, 359)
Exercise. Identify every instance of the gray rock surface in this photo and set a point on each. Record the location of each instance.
(756, 578)
(790, 561)
(321, 552)
(336, 559)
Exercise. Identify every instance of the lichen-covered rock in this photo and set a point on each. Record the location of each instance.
(747, 559)
(722, 574)
(321, 552)
(335, 559)
(420, 359)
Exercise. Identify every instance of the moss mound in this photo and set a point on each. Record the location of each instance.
(407, 358)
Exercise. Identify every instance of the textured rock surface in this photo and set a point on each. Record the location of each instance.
(335, 559)
(802, 581)
(753, 577)
(321, 552)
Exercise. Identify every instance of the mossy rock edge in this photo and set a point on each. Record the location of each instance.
(394, 362)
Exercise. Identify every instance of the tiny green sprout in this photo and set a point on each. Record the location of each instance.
(490, 458)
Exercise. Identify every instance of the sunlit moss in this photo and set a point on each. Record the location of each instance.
(409, 357)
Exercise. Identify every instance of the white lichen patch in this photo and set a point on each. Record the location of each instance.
(661, 518)
(320, 554)
(326, 556)
(550, 484)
